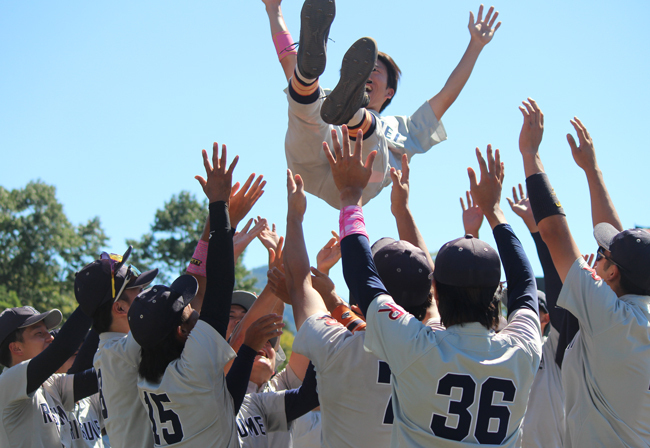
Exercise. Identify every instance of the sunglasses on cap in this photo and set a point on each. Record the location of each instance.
(600, 254)
(131, 272)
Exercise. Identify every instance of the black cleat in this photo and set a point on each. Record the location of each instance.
(350, 95)
(316, 18)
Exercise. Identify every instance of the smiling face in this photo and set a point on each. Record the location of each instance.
(377, 87)
(264, 365)
(237, 313)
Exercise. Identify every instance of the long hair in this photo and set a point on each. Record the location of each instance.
(458, 305)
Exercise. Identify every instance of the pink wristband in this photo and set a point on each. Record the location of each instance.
(284, 45)
(197, 263)
(351, 221)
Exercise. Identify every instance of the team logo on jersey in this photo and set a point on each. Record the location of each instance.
(329, 320)
(394, 311)
(595, 276)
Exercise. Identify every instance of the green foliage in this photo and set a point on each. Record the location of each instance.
(174, 235)
(286, 342)
(40, 250)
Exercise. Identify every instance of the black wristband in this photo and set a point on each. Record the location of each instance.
(543, 199)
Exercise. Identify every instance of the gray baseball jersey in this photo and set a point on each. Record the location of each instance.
(606, 368)
(354, 385)
(116, 363)
(191, 405)
(260, 414)
(543, 425)
(86, 423)
(37, 420)
(462, 386)
(306, 431)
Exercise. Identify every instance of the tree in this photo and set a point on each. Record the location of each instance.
(174, 234)
(40, 250)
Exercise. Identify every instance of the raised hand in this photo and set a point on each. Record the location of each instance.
(584, 155)
(532, 129)
(325, 287)
(487, 192)
(277, 283)
(329, 255)
(482, 30)
(296, 196)
(268, 237)
(399, 195)
(350, 174)
(243, 238)
(589, 258)
(472, 216)
(263, 329)
(242, 199)
(520, 204)
(218, 185)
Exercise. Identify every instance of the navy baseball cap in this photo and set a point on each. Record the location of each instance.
(629, 250)
(404, 270)
(541, 301)
(156, 311)
(468, 262)
(244, 299)
(12, 319)
(100, 281)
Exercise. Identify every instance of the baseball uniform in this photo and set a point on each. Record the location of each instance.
(116, 363)
(606, 368)
(86, 423)
(544, 420)
(191, 405)
(39, 419)
(393, 136)
(259, 415)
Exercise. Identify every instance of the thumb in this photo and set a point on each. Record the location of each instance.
(572, 142)
(201, 180)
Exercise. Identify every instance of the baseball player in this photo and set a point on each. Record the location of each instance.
(33, 399)
(467, 384)
(368, 83)
(605, 367)
(105, 290)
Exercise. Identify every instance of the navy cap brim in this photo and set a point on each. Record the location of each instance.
(51, 319)
(185, 286)
(380, 244)
(604, 234)
(144, 279)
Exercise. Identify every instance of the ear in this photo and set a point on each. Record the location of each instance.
(120, 308)
(15, 348)
(544, 318)
(390, 93)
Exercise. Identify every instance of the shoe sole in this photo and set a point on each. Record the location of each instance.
(347, 97)
(316, 17)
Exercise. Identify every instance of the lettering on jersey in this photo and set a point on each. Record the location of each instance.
(394, 311)
(329, 320)
(595, 276)
(91, 430)
(48, 417)
(251, 427)
(393, 135)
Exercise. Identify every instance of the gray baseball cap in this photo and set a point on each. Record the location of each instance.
(244, 299)
(630, 251)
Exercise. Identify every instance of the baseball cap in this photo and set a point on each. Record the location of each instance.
(404, 269)
(468, 262)
(14, 318)
(100, 281)
(244, 299)
(157, 311)
(630, 251)
(541, 301)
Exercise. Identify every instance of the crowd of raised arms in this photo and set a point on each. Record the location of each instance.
(443, 355)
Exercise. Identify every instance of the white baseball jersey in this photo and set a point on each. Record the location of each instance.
(543, 425)
(606, 368)
(306, 430)
(260, 414)
(116, 363)
(86, 423)
(191, 406)
(37, 420)
(354, 385)
(462, 386)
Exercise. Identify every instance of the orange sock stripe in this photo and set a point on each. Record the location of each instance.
(302, 89)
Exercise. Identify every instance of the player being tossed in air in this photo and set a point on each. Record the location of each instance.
(465, 385)
(368, 83)
(605, 367)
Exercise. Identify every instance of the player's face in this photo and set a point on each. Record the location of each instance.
(36, 338)
(264, 365)
(237, 313)
(377, 86)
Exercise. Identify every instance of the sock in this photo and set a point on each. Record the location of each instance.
(303, 90)
(363, 120)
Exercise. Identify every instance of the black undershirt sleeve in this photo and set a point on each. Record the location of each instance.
(85, 384)
(86, 355)
(359, 271)
(41, 367)
(239, 375)
(297, 402)
(220, 270)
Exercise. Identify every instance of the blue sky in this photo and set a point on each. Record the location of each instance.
(113, 102)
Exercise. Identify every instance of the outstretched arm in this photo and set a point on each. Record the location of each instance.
(481, 32)
(281, 37)
(548, 212)
(602, 207)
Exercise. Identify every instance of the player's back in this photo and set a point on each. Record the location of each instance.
(191, 406)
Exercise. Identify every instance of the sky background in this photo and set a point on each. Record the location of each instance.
(112, 102)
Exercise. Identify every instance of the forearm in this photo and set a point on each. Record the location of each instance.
(262, 306)
(602, 207)
(64, 345)
(552, 282)
(196, 267)
(239, 375)
(297, 402)
(85, 384)
(220, 270)
(408, 230)
(86, 355)
(276, 21)
(456, 81)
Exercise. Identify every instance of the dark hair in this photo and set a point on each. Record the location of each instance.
(393, 74)
(154, 360)
(459, 305)
(5, 353)
(625, 283)
(103, 317)
(420, 311)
